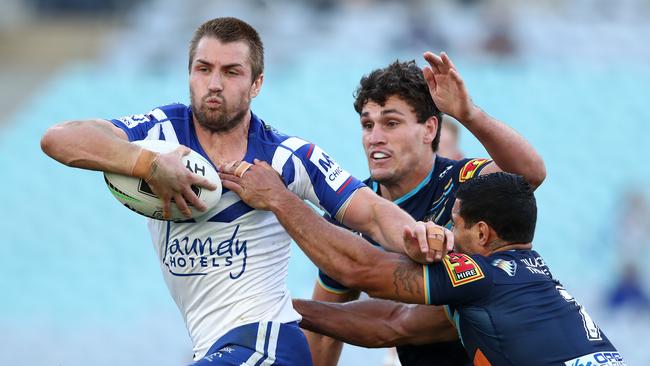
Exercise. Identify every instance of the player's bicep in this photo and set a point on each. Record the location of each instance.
(110, 127)
(360, 212)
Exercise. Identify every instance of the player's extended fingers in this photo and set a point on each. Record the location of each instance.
(182, 205)
(231, 182)
(434, 61)
(166, 201)
(420, 233)
(449, 240)
(429, 77)
(198, 180)
(435, 236)
(193, 199)
(447, 61)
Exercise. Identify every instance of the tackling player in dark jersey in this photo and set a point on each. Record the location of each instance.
(505, 304)
(400, 111)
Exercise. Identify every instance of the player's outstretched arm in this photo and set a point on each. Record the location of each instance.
(259, 186)
(343, 255)
(99, 145)
(509, 150)
(91, 144)
(376, 323)
(385, 222)
(326, 351)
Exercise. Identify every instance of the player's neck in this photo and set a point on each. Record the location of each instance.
(225, 146)
(395, 190)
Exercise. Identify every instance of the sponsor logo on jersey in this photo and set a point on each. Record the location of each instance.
(134, 120)
(610, 358)
(462, 269)
(509, 267)
(470, 168)
(335, 176)
(187, 256)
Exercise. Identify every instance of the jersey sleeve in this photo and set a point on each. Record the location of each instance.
(313, 175)
(153, 125)
(458, 279)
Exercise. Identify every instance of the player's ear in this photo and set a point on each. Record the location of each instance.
(256, 86)
(431, 127)
(484, 232)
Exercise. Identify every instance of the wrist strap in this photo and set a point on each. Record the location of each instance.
(144, 162)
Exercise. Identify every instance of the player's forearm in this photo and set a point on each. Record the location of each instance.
(325, 351)
(509, 150)
(363, 323)
(336, 251)
(93, 145)
(382, 220)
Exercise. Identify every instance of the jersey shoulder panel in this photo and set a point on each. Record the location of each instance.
(162, 123)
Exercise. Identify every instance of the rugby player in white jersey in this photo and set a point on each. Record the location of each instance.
(226, 270)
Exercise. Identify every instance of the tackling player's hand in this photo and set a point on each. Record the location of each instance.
(447, 87)
(258, 185)
(427, 242)
(170, 180)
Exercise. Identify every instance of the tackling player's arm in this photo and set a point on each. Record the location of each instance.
(384, 222)
(377, 323)
(326, 351)
(345, 256)
(509, 150)
(100, 145)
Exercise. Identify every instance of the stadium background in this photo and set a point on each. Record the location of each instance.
(80, 282)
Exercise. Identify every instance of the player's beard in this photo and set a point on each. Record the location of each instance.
(220, 119)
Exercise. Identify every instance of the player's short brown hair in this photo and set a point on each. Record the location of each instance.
(404, 80)
(228, 30)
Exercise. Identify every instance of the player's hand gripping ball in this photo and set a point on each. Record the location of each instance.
(136, 194)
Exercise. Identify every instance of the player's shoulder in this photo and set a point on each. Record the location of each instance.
(172, 111)
(459, 170)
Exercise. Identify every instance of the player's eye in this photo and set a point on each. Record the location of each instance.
(366, 125)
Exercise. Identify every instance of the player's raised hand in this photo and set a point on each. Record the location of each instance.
(170, 180)
(447, 87)
(258, 185)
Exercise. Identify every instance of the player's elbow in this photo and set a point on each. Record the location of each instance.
(52, 141)
(537, 173)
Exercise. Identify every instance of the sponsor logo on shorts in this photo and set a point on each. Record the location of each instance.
(462, 269)
(609, 358)
(335, 176)
(470, 168)
(134, 120)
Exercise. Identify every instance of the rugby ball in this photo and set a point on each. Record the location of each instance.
(135, 193)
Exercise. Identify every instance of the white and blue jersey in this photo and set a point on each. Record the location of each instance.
(228, 267)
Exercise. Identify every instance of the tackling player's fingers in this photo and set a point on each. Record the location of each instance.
(449, 240)
(233, 186)
(421, 236)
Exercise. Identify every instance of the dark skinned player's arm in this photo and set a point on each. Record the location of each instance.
(326, 351)
(376, 323)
